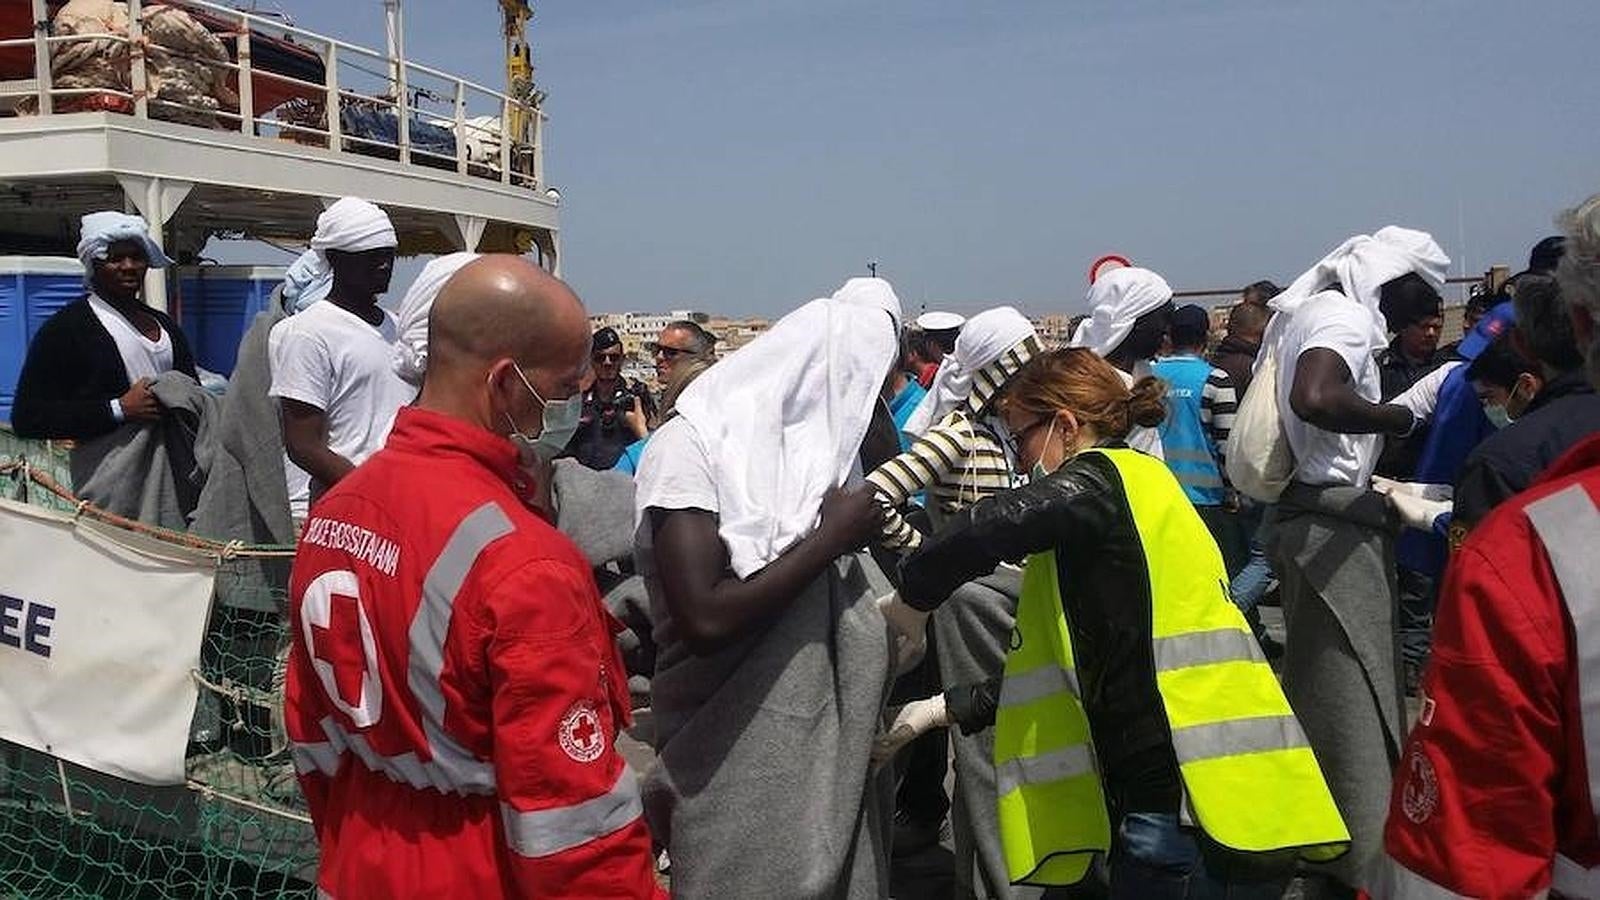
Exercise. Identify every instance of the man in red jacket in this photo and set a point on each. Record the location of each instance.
(1498, 791)
(454, 693)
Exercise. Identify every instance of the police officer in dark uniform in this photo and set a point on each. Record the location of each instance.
(616, 411)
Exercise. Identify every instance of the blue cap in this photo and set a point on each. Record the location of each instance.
(1494, 323)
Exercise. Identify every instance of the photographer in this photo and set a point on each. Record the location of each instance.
(615, 410)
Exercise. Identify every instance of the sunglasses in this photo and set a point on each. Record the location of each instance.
(608, 358)
(668, 352)
(1013, 439)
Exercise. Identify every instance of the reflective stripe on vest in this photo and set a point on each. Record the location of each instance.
(1051, 811)
(1567, 523)
(451, 767)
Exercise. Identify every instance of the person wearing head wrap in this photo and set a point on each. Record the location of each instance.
(773, 663)
(1130, 310)
(90, 366)
(958, 459)
(332, 363)
(411, 349)
(1334, 551)
(616, 410)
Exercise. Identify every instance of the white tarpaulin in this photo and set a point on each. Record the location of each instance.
(100, 629)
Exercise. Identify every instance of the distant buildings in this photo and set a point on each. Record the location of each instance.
(639, 329)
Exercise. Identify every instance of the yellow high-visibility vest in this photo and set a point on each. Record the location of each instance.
(1250, 780)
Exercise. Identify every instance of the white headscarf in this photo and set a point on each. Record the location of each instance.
(985, 337)
(307, 280)
(874, 292)
(1116, 301)
(353, 225)
(411, 350)
(1361, 266)
(783, 418)
(99, 230)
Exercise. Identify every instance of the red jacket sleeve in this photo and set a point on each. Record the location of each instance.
(569, 804)
(1473, 808)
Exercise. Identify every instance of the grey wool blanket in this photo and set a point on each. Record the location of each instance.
(1334, 554)
(246, 498)
(152, 472)
(763, 784)
(973, 635)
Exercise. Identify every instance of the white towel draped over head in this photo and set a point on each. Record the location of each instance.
(1361, 266)
(99, 230)
(1116, 301)
(873, 292)
(411, 350)
(986, 337)
(782, 419)
(307, 280)
(353, 225)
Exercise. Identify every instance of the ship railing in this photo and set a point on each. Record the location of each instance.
(368, 103)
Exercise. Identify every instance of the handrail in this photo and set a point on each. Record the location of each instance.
(410, 91)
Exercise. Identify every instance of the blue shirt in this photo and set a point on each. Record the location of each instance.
(902, 406)
(1185, 435)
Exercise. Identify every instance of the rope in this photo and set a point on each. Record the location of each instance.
(223, 551)
(210, 793)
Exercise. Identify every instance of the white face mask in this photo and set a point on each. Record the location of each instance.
(557, 425)
(1039, 472)
(1497, 415)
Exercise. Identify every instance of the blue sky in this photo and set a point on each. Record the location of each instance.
(742, 156)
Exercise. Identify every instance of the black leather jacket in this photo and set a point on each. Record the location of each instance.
(1081, 512)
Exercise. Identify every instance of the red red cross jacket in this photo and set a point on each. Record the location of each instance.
(1497, 792)
(454, 691)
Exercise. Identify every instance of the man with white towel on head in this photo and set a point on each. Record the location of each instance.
(332, 363)
(1333, 549)
(773, 664)
(1130, 311)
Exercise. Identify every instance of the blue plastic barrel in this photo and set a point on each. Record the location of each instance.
(217, 304)
(32, 289)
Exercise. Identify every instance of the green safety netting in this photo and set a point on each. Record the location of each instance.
(237, 830)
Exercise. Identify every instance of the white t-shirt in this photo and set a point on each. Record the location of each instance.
(330, 358)
(142, 357)
(1344, 326)
(675, 471)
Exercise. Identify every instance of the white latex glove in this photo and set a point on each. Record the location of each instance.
(1418, 505)
(910, 722)
(909, 628)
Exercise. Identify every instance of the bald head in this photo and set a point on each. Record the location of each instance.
(504, 306)
(497, 313)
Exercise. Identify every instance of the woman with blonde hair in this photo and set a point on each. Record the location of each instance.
(1136, 716)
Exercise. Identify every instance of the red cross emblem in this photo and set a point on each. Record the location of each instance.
(339, 640)
(581, 735)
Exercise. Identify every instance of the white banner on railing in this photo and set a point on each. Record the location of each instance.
(100, 629)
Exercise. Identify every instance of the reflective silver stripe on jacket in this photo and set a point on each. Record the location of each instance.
(1204, 648)
(1575, 881)
(1567, 523)
(429, 629)
(1024, 688)
(1391, 881)
(1057, 765)
(1234, 736)
(546, 832)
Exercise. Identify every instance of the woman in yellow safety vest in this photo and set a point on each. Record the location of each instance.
(1136, 716)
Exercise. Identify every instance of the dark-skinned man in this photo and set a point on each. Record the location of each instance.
(1333, 549)
(1130, 313)
(454, 693)
(332, 364)
(773, 663)
(90, 366)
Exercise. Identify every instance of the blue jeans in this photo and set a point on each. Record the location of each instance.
(1154, 858)
(1250, 585)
